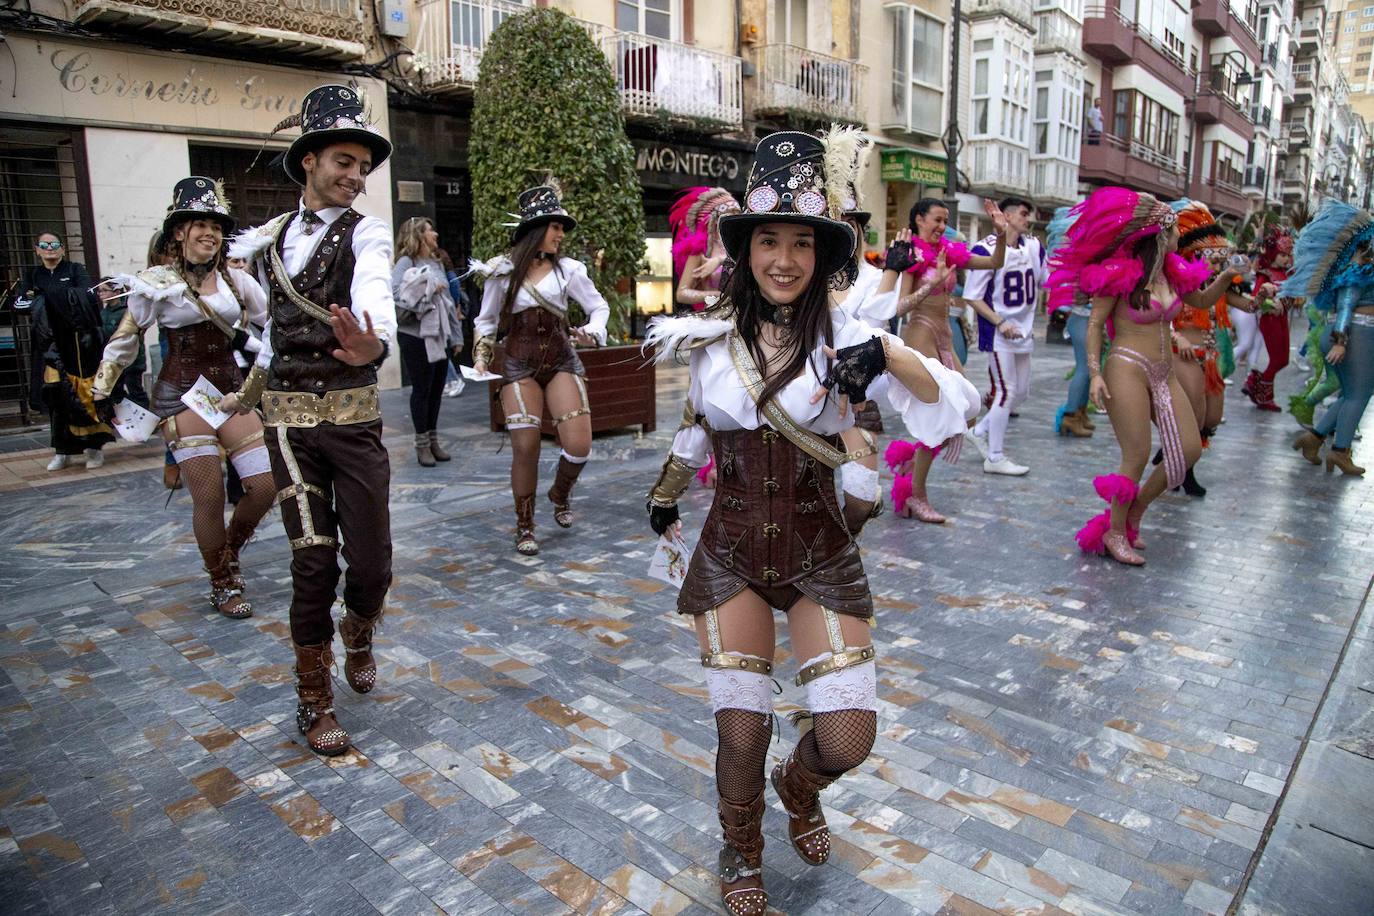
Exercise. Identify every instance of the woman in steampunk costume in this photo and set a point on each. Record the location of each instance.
(775, 536)
(525, 308)
(327, 272)
(205, 311)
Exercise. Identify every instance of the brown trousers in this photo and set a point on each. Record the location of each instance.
(342, 476)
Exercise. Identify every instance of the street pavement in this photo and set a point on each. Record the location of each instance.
(1057, 733)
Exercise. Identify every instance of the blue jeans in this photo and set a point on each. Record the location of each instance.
(1356, 375)
(956, 330)
(1078, 385)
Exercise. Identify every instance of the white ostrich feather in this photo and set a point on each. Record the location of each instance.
(671, 334)
(841, 163)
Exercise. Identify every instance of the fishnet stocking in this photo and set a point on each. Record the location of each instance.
(258, 493)
(205, 480)
(838, 741)
(741, 754)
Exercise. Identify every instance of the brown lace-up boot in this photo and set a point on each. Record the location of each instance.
(226, 587)
(524, 526)
(360, 668)
(741, 858)
(561, 491)
(315, 706)
(799, 790)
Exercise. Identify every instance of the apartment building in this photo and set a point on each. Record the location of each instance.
(1177, 84)
(1350, 41)
(1308, 118)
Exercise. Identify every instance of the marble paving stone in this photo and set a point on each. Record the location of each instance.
(1057, 734)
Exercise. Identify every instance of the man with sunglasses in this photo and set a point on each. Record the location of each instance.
(67, 340)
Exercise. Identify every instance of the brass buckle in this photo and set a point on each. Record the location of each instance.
(771, 485)
(771, 530)
(770, 574)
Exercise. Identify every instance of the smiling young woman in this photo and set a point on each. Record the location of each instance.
(206, 311)
(775, 372)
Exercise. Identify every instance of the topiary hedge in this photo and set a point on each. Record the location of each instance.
(546, 102)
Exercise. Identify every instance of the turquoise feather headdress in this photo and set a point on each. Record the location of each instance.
(1058, 229)
(1323, 253)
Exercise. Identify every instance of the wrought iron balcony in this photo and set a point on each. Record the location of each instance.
(797, 81)
(661, 80)
(319, 30)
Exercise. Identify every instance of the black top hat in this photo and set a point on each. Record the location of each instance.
(539, 206)
(332, 114)
(198, 197)
(787, 184)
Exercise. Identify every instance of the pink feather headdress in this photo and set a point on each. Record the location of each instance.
(691, 219)
(1096, 258)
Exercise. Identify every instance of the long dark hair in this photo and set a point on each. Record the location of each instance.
(522, 254)
(1146, 251)
(810, 326)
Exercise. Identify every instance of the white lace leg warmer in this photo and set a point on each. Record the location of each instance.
(740, 689)
(849, 688)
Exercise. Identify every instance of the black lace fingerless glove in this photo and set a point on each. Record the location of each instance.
(856, 367)
(661, 518)
(900, 256)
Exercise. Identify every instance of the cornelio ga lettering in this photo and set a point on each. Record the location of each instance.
(71, 67)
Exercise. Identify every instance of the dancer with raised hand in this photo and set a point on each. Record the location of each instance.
(930, 263)
(327, 272)
(525, 307)
(1005, 299)
(1121, 258)
(698, 253)
(773, 371)
(206, 312)
(1334, 269)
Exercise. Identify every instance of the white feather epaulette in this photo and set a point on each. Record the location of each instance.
(498, 266)
(249, 243)
(673, 333)
(157, 283)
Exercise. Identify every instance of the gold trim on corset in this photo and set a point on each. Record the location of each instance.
(341, 407)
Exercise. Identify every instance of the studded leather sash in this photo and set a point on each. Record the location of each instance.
(779, 418)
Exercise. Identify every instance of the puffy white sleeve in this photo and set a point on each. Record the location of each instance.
(252, 294)
(929, 423)
(371, 289)
(878, 308)
(122, 347)
(492, 294)
(264, 358)
(581, 288)
(692, 444)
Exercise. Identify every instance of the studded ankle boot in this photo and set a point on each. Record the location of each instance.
(524, 526)
(799, 790)
(741, 858)
(561, 491)
(360, 668)
(315, 701)
(226, 587)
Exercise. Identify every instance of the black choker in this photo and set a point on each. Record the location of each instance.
(781, 315)
(198, 272)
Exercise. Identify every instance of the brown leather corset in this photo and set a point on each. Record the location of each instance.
(538, 346)
(193, 351)
(775, 525)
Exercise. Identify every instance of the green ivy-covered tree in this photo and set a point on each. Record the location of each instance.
(546, 102)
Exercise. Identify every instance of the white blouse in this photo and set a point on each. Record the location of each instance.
(718, 393)
(159, 296)
(568, 280)
(865, 303)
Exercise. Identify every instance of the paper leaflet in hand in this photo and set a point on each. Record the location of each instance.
(472, 375)
(203, 399)
(671, 557)
(133, 423)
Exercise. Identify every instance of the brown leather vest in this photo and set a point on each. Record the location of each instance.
(302, 345)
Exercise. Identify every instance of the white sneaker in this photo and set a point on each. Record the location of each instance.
(454, 388)
(1004, 465)
(979, 442)
(59, 462)
(94, 458)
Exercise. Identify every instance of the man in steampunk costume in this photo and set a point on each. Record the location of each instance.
(327, 273)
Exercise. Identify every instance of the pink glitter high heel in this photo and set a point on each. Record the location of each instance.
(1119, 549)
(919, 507)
